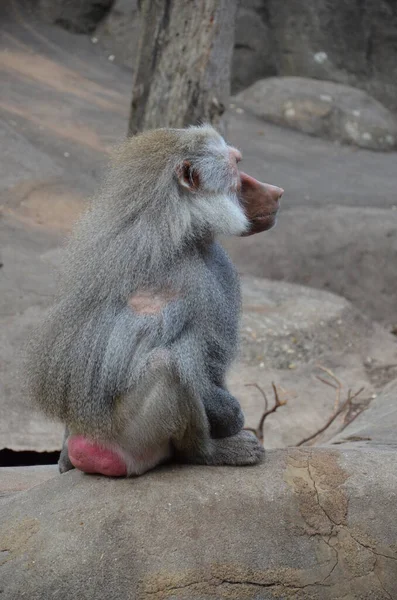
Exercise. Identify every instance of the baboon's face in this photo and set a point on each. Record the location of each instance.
(233, 202)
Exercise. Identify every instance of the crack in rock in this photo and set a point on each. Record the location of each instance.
(344, 562)
(323, 508)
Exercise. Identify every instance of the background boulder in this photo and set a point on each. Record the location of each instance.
(289, 335)
(324, 109)
(353, 43)
(253, 56)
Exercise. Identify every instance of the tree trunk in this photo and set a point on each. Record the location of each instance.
(182, 74)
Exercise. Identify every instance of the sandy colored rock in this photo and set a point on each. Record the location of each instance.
(20, 479)
(349, 251)
(289, 333)
(337, 228)
(29, 267)
(306, 524)
(284, 324)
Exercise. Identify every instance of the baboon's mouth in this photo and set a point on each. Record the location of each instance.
(265, 216)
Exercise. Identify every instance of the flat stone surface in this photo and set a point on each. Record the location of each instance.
(20, 479)
(287, 331)
(349, 251)
(306, 524)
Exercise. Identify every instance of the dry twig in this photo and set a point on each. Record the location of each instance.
(337, 385)
(346, 404)
(352, 410)
(268, 411)
(258, 387)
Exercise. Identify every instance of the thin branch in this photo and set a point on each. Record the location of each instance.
(337, 399)
(335, 387)
(337, 381)
(331, 374)
(268, 411)
(354, 410)
(258, 387)
(357, 393)
(352, 415)
(332, 418)
(252, 429)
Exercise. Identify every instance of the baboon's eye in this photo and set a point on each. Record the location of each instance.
(187, 173)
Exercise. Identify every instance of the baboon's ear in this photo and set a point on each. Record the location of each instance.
(188, 176)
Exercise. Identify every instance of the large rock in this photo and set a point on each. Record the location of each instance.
(307, 524)
(253, 55)
(287, 330)
(321, 108)
(289, 333)
(53, 153)
(284, 323)
(376, 426)
(19, 479)
(353, 43)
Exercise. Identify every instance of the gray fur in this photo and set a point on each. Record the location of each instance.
(95, 362)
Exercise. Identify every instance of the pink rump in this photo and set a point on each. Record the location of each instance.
(90, 457)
